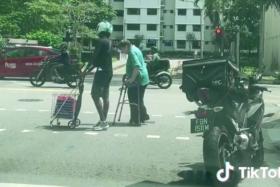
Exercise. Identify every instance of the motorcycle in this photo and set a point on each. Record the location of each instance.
(52, 71)
(159, 75)
(230, 112)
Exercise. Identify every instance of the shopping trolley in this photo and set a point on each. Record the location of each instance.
(67, 106)
(122, 100)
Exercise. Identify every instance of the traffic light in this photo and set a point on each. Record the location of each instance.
(219, 31)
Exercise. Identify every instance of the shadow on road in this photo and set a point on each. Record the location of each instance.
(194, 175)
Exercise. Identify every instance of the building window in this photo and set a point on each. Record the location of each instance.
(133, 11)
(151, 11)
(196, 28)
(164, 26)
(168, 43)
(171, 26)
(196, 12)
(206, 42)
(151, 27)
(181, 44)
(164, 11)
(207, 27)
(119, 13)
(171, 11)
(118, 28)
(182, 12)
(151, 43)
(196, 44)
(181, 27)
(133, 27)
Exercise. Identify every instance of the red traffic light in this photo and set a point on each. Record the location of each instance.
(218, 31)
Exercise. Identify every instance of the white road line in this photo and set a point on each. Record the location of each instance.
(1, 130)
(182, 138)
(153, 136)
(180, 117)
(44, 110)
(2, 109)
(91, 133)
(120, 135)
(24, 185)
(26, 131)
(21, 110)
(88, 112)
(55, 132)
(156, 115)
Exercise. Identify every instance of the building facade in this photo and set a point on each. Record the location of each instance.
(171, 25)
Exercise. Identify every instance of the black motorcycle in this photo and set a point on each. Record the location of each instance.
(51, 70)
(159, 74)
(230, 112)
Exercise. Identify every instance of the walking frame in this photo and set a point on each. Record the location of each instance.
(122, 100)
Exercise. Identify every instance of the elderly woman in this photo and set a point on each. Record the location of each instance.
(137, 81)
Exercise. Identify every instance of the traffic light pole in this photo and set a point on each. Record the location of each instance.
(238, 46)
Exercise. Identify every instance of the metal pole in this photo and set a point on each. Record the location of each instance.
(238, 46)
(201, 34)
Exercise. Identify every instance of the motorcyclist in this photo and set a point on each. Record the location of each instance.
(62, 62)
(153, 64)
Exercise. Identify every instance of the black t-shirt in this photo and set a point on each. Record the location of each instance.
(102, 56)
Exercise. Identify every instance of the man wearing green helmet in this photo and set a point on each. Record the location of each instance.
(102, 60)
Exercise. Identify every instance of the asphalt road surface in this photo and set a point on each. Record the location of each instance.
(160, 153)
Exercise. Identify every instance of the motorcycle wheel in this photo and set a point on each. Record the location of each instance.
(38, 78)
(216, 152)
(164, 81)
(258, 157)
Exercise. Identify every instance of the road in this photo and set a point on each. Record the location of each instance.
(160, 153)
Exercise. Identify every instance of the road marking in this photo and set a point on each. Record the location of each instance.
(88, 112)
(182, 138)
(1, 130)
(120, 135)
(2, 109)
(111, 113)
(91, 133)
(25, 185)
(180, 117)
(26, 131)
(21, 110)
(153, 136)
(55, 132)
(157, 115)
(43, 110)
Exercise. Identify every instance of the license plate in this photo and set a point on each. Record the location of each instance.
(199, 125)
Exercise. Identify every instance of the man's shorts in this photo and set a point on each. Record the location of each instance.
(101, 84)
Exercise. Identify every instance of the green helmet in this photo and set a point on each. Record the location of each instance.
(104, 26)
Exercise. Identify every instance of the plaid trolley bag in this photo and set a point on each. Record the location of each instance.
(64, 107)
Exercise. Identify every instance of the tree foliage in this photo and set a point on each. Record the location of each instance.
(242, 14)
(19, 18)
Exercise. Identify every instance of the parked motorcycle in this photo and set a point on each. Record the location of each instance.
(230, 112)
(159, 74)
(52, 71)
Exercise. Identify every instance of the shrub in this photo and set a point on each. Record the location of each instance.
(45, 38)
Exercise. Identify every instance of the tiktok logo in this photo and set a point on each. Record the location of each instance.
(223, 174)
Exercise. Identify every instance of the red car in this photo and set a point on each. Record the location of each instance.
(22, 61)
